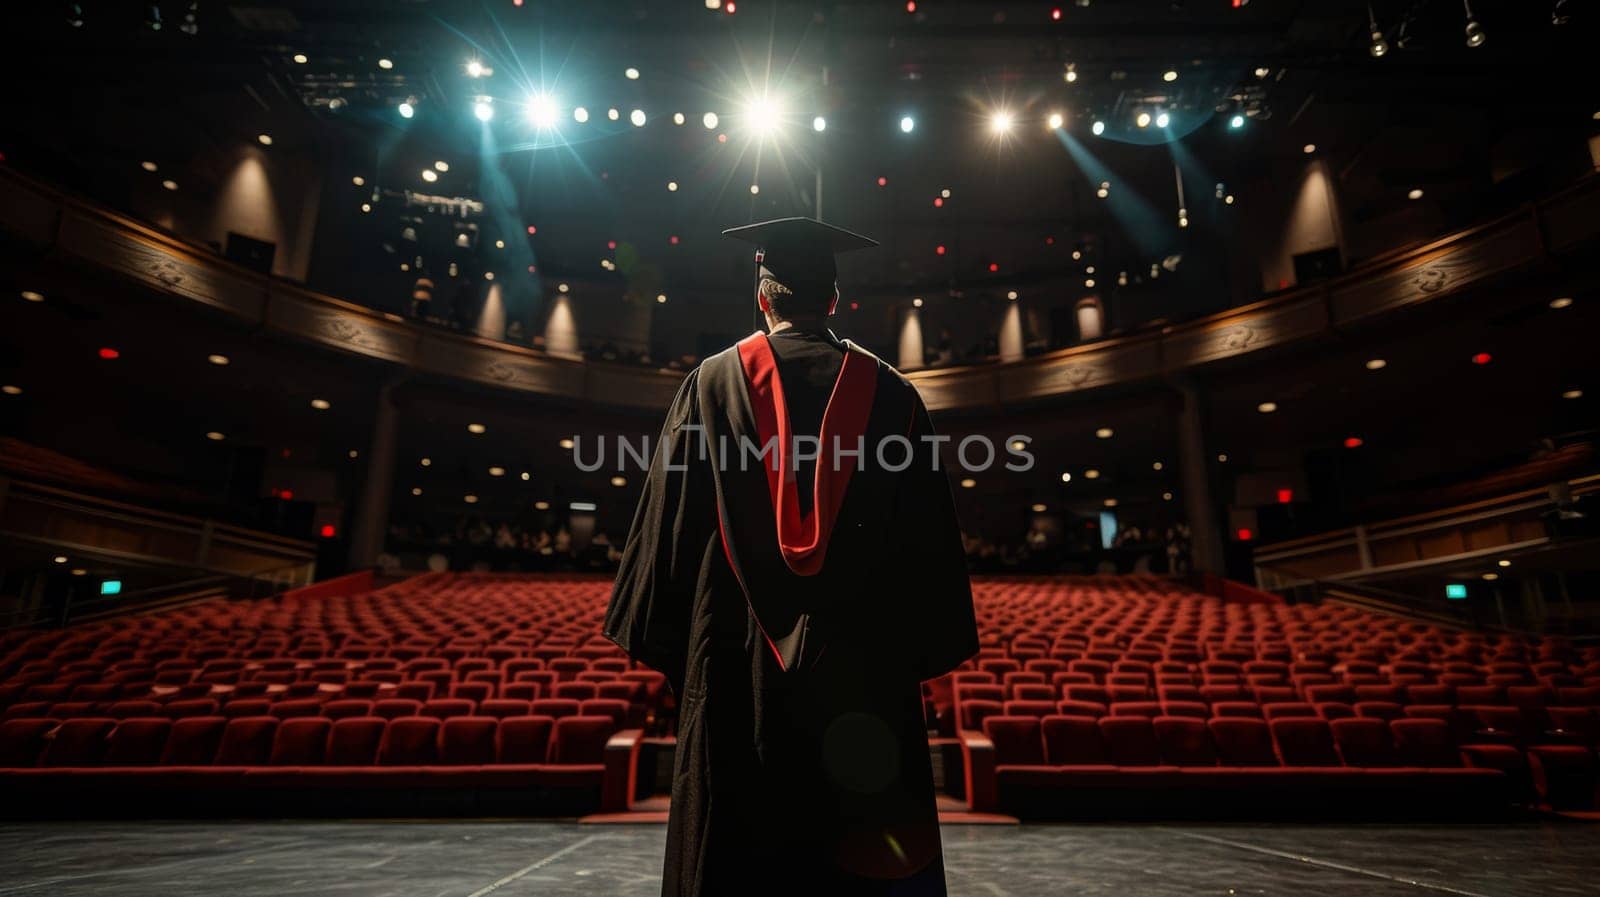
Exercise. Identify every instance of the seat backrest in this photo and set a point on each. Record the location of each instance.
(354, 740)
(392, 708)
(302, 741)
(191, 707)
(1016, 740)
(78, 742)
(1364, 742)
(468, 740)
(1384, 710)
(524, 739)
(500, 708)
(1304, 741)
(1249, 709)
(247, 741)
(581, 739)
(1028, 708)
(347, 707)
(193, 741)
(1130, 741)
(1242, 741)
(1187, 708)
(247, 707)
(1146, 709)
(137, 741)
(297, 707)
(1184, 741)
(410, 741)
(617, 710)
(445, 708)
(1280, 709)
(1424, 742)
(127, 709)
(556, 708)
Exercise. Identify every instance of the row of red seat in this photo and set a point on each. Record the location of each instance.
(388, 708)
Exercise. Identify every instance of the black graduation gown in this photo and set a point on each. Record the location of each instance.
(802, 759)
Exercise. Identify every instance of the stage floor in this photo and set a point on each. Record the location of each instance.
(475, 859)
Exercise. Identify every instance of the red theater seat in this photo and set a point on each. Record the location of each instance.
(468, 740)
(1130, 741)
(78, 742)
(1365, 742)
(354, 741)
(246, 741)
(302, 741)
(580, 739)
(193, 741)
(1424, 742)
(138, 741)
(1241, 741)
(393, 708)
(1184, 741)
(1304, 741)
(524, 739)
(409, 741)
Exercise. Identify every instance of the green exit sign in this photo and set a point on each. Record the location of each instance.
(111, 587)
(1455, 591)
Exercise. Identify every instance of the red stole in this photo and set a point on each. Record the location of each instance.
(803, 538)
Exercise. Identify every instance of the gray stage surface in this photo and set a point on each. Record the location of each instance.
(475, 859)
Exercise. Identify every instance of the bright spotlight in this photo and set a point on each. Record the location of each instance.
(1056, 120)
(542, 111)
(764, 115)
(429, 175)
(637, 118)
(406, 109)
(1236, 122)
(483, 109)
(819, 124)
(1098, 128)
(580, 115)
(1142, 120)
(1162, 120)
(474, 69)
(907, 124)
(1000, 122)
(631, 73)
(709, 120)
(1169, 75)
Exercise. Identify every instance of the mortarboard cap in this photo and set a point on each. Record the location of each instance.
(799, 250)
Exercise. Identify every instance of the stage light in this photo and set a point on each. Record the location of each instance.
(672, 186)
(709, 120)
(441, 166)
(562, 288)
(1475, 35)
(1169, 75)
(713, 4)
(1166, 496)
(214, 436)
(1414, 193)
(1012, 295)
(416, 490)
(470, 499)
(429, 175)
(385, 64)
(1482, 358)
(483, 109)
(1055, 121)
(300, 58)
(677, 118)
(60, 559)
(35, 296)
(475, 69)
(1110, 502)
(637, 118)
(477, 429)
(566, 443)
(1267, 407)
(170, 184)
(1228, 199)
(1503, 562)
(631, 73)
(11, 390)
(352, 454)
(406, 109)
(1142, 120)
(1038, 508)
(499, 244)
(1000, 122)
(1309, 148)
(968, 483)
(1104, 433)
(321, 404)
(917, 302)
(661, 298)
(426, 462)
(1490, 577)
(1098, 128)
(945, 193)
(1262, 71)
(1236, 122)
(1091, 474)
(1559, 302)
(526, 476)
(1066, 476)
(1162, 120)
(1222, 458)
(148, 166)
(763, 116)
(541, 505)
(1354, 442)
(1572, 394)
(619, 482)
(754, 189)
(1376, 364)
(1104, 189)
(1088, 283)
(542, 111)
(1378, 47)
(366, 207)
(497, 471)
(264, 139)
(907, 124)
(1156, 465)
(819, 124)
(109, 354)
(1071, 74)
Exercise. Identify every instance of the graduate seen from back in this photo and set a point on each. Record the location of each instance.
(795, 569)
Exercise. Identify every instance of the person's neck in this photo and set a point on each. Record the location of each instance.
(802, 325)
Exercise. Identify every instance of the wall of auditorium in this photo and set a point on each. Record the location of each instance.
(1281, 225)
(267, 195)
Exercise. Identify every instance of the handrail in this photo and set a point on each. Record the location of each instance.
(1526, 237)
(189, 591)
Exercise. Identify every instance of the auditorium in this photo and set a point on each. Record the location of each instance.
(793, 447)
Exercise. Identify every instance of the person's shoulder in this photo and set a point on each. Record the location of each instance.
(888, 375)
